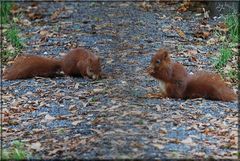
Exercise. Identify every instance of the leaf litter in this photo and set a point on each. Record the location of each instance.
(118, 116)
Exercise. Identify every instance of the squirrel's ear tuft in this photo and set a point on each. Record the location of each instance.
(166, 54)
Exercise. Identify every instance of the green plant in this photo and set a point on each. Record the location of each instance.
(228, 49)
(140, 122)
(12, 36)
(232, 74)
(16, 152)
(237, 154)
(10, 32)
(5, 12)
(225, 56)
(61, 131)
(6, 54)
(232, 22)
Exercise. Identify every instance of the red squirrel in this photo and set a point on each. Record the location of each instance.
(28, 66)
(81, 62)
(179, 84)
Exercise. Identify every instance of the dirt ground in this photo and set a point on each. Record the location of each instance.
(68, 117)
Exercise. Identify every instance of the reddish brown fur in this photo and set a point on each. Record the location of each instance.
(180, 85)
(28, 66)
(81, 62)
(209, 86)
(173, 74)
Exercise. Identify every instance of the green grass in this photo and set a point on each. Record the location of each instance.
(237, 154)
(232, 22)
(140, 122)
(229, 42)
(16, 152)
(6, 54)
(13, 43)
(61, 131)
(12, 36)
(5, 12)
(225, 56)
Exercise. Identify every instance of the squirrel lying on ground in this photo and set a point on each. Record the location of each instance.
(179, 84)
(81, 62)
(28, 66)
(78, 62)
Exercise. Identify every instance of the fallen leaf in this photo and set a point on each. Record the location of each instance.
(178, 18)
(55, 151)
(188, 141)
(202, 34)
(212, 41)
(72, 107)
(5, 111)
(235, 50)
(153, 95)
(146, 6)
(76, 122)
(76, 86)
(36, 146)
(180, 33)
(183, 7)
(43, 32)
(57, 13)
(191, 52)
(34, 16)
(98, 90)
(15, 9)
(192, 59)
(49, 118)
(159, 146)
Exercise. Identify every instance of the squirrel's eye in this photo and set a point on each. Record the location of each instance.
(158, 61)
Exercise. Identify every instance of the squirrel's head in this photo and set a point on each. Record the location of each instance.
(94, 68)
(160, 60)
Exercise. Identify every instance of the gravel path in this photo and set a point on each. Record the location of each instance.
(109, 118)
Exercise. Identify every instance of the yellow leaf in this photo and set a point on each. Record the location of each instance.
(180, 33)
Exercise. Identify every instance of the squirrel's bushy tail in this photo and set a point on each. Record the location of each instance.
(210, 86)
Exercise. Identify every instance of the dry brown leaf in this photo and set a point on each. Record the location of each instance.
(5, 111)
(43, 32)
(153, 95)
(222, 27)
(192, 59)
(202, 34)
(15, 9)
(184, 7)
(34, 16)
(180, 33)
(57, 13)
(146, 6)
(192, 52)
